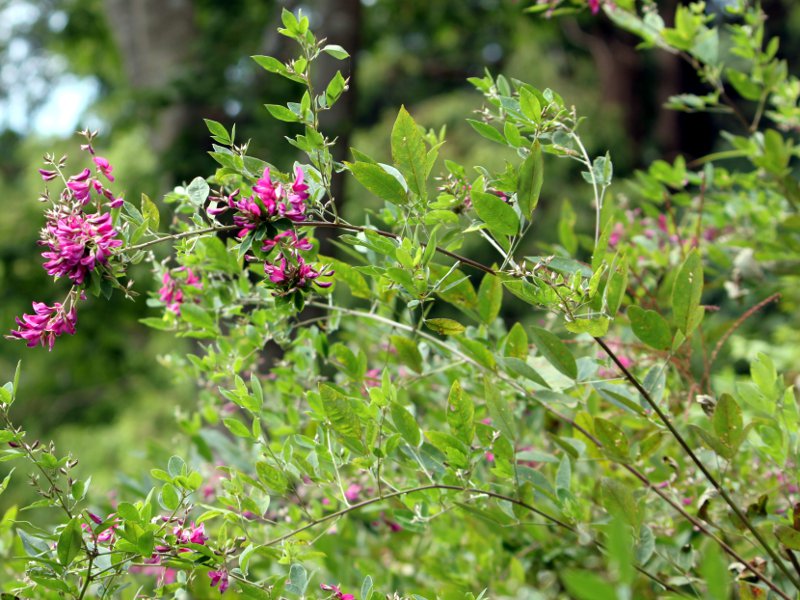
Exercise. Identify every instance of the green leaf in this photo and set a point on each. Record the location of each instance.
(298, 579)
(516, 344)
(490, 298)
(530, 105)
(366, 588)
(336, 51)
(218, 130)
(487, 131)
(686, 292)
(197, 191)
(454, 449)
(520, 367)
(618, 500)
(499, 216)
(445, 326)
(236, 427)
(727, 422)
(408, 153)
(531, 177)
(715, 573)
(555, 351)
(169, 497)
(69, 542)
(128, 512)
(406, 424)
(272, 477)
(282, 113)
(197, 317)
(617, 285)
(460, 414)
(566, 228)
(150, 212)
(620, 550)
(335, 88)
(342, 416)
(744, 84)
(379, 182)
(650, 327)
(407, 352)
(499, 410)
(615, 444)
(585, 585)
(711, 440)
(788, 536)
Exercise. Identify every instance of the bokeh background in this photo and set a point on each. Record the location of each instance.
(146, 72)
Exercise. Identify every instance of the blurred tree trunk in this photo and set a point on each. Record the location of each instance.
(340, 23)
(156, 39)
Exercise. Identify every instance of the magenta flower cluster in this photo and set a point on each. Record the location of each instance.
(45, 324)
(270, 201)
(290, 271)
(77, 242)
(171, 291)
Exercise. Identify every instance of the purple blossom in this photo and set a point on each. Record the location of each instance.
(289, 239)
(192, 535)
(297, 198)
(45, 324)
(77, 244)
(104, 167)
(352, 492)
(268, 192)
(48, 175)
(80, 186)
(270, 200)
(337, 593)
(292, 277)
(219, 577)
(171, 292)
(248, 216)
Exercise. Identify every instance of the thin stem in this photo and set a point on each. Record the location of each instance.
(394, 236)
(738, 323)
(696, 460)
(598, 201)
(88, 579)
(179, 236)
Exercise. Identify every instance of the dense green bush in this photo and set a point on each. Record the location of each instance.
(368, 424)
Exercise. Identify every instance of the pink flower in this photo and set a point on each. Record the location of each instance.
(192, 535)
(337, 593)
(248, 216)
(104, 167)
(107, 535)
(45, 325)
(165, 574)
(352, 492)
(289, 239)
(171, 293)
(80, 186)
(616, 234)
(297, 198)
(48, 175)
(268, 192)
(269, 201)
(77, 244)
(219, 577)
(292, 277)
(594, 5)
